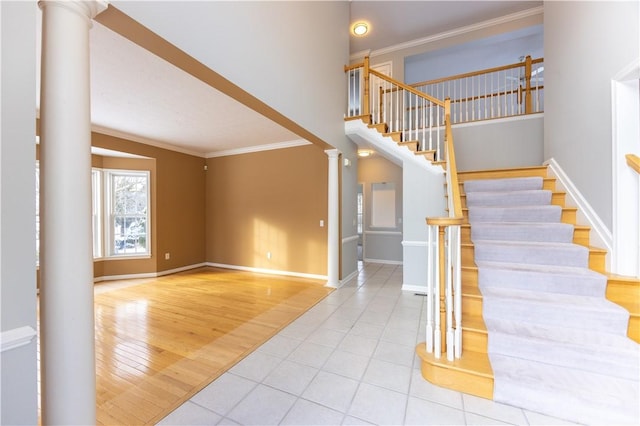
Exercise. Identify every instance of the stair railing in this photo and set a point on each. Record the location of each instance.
(381, 99)
(444, 274)
(505, 91)
(377, 98)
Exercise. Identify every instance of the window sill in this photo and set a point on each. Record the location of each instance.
(126, 257)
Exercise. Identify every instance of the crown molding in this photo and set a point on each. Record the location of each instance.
(458, 31)
(140, 139)
(258, 148)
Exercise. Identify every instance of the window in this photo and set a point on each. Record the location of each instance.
(128, 209)
(123, 197)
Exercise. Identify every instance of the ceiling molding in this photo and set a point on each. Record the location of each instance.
(143, 140)
(258, 148)
(453, 33)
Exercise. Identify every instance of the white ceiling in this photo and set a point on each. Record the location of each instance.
(139, 96)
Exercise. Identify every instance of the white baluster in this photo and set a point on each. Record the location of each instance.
(437, 349)
(449, 296)
(458, 294)
(430, 287)
(431, 126)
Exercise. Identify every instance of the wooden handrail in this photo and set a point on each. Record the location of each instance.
(455, 217)
(407, 88)
(634, 162)
(353, 67)
(478, 72)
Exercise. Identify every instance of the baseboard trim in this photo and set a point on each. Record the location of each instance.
(421, 289)
(604, 237)
(348, 278)
(16, 337)
(267, 271)
(383, 261)
(148, 274)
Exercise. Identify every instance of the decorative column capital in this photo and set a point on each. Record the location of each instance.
(88, 9)
(332, 153)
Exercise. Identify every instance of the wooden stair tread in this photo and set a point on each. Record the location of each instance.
(547, 181)
(624, 291)
(474, 323)
(474, 363)
(623, 279)
(471, 290)
(365, 118)
(540, 171)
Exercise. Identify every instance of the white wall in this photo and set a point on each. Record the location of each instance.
(586, 44)
(381, 245)
(424, 197)
(488, 52)
(288, 54)
(495, 144)
(441, 42)
(17, 218)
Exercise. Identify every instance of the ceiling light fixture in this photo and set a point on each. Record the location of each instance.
(360, 28)
(364, 153)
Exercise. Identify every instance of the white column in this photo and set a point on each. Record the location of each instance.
(333, 227)
(66, 263)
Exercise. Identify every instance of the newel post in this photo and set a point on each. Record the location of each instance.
(365, 93)
(527, 78)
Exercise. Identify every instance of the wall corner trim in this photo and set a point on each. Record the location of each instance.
(604, 235)
(17, 337)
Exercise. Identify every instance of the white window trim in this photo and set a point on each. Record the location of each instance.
(107, 231)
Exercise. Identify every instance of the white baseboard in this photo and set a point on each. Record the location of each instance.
(267, 271)
(348, 278)
(422, 289)
(148, 274)
(601, 235)
(383, 261)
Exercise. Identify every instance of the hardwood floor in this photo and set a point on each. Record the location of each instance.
(160, 341)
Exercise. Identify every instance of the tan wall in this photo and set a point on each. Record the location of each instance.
(178, 209)
(270, 201)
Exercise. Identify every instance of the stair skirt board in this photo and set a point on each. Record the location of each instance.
(555, 343)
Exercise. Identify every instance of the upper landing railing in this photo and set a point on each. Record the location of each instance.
(417, 116)
(505, 91)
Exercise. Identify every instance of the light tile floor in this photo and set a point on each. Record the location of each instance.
(349, 360)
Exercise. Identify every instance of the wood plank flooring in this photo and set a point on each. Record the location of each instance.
(160, 341)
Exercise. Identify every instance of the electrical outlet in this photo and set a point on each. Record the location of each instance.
(167, 256)
(321, 223)
(269, 255)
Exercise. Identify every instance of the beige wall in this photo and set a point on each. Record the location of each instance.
(243, 207)
(270, 201)
(178, 212)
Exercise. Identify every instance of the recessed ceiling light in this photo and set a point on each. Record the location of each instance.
(360, 28)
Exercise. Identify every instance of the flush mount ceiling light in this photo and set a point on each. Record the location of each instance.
(364, 153)
(360, 28)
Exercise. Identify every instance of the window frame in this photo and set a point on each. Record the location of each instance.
(108, 231)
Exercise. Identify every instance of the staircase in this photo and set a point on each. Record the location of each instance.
(392, 144)
(538, 331)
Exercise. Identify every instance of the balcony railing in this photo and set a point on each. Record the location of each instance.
(505, 91)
